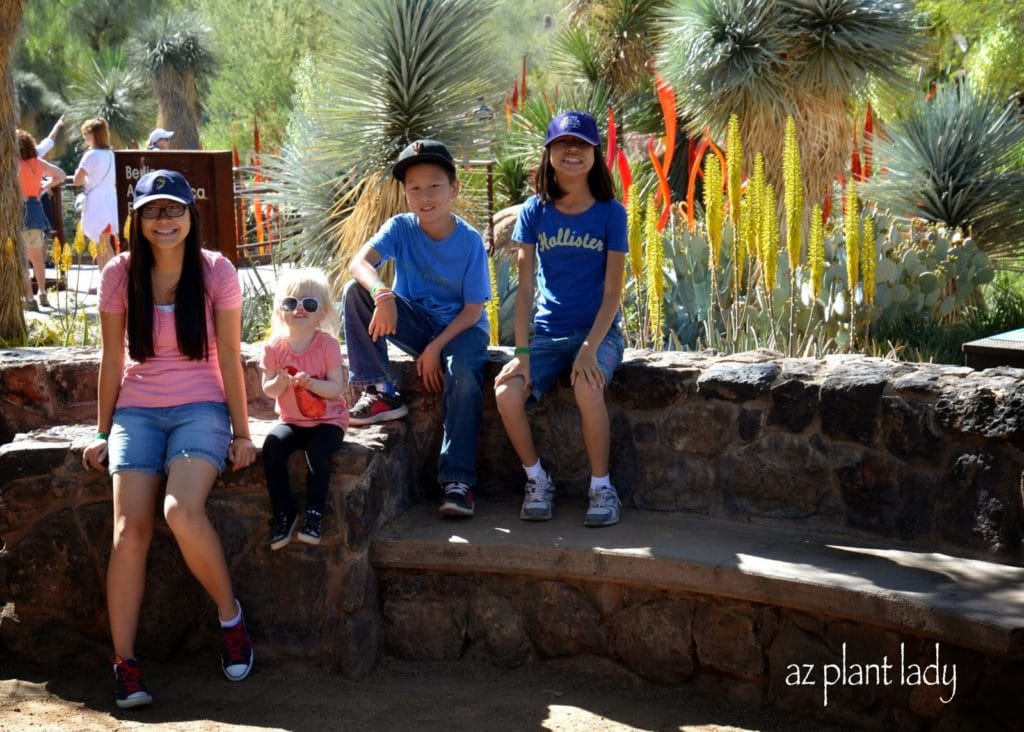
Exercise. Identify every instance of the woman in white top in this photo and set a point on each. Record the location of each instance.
(96, 172)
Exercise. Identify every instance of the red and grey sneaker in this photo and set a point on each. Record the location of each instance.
(128, 685)
(236, 652)
(458, 500)
(374, 407)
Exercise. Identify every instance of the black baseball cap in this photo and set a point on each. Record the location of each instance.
(423, 151)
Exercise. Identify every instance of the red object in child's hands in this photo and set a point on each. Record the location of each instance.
(309, 404)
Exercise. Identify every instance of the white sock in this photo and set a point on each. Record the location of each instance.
(533, 472)
(234, 621)
(599, 482)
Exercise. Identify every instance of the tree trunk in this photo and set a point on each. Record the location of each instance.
(179, 109)
(12, 268)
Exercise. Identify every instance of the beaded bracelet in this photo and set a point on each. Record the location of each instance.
(383, 294)
(522, 351)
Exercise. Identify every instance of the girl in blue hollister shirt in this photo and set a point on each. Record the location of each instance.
(575, 232)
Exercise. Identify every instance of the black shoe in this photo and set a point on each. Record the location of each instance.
(373, 407)
(310, 532)
(458, 500)
(283, 527)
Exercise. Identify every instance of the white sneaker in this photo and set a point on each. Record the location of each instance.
(604, 507)
(540, 495)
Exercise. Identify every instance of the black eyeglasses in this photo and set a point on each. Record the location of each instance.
(171, 211)
(309, 304)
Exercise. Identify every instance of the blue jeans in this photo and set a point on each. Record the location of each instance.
(462, 360)
(149, 439)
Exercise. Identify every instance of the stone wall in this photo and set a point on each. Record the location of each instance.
(919, 455)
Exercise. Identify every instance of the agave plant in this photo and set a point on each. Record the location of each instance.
(766, 59)
(176, 51)
(392, 71)
(112, 89)
(953, 160)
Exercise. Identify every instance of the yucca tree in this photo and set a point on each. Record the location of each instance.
(112, 89)
(12, 320)
(176, 51)
(954, 160)
(766, 59)
(390, 72)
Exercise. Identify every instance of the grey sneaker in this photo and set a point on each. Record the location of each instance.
(540, 495)
(604, 507)
(30, 304)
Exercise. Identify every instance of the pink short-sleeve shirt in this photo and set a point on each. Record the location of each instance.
(168, 378)
(299, 406)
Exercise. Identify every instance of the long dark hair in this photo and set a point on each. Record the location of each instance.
(189, 296)
(599, 180)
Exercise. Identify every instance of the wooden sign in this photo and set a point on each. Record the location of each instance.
(209, 174)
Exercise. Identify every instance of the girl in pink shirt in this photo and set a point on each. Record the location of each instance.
(304, 372)
(171, 405)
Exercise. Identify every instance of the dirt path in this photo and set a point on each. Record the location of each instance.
(191, 695)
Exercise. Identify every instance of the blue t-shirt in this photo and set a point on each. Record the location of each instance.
(439, 277)
(572, 256)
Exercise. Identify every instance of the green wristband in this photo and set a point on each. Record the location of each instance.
(522, 351)
(102, 435)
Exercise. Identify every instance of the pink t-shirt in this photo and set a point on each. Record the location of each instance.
(300, 406)
(167, 378)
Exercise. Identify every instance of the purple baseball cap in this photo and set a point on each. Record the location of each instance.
(573, 124)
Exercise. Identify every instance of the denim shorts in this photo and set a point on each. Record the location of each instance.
(149, 439)
(550, 357)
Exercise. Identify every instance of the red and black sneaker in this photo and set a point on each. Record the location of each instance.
(236, 652)
(458, 500)
(128, 685)
(374, 407)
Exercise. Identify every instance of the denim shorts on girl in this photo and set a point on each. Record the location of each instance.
(551, 356)
(149, 439)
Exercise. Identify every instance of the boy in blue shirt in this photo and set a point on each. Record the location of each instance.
(434, 312)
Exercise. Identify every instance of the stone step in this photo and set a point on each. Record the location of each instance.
(972, 604)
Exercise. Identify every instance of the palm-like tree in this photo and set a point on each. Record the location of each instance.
(176, 51)
(113, 90)
(766, 59)
(954, 160)
(392, 71)
(12, 273)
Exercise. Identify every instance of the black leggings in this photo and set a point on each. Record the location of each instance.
(320, 443)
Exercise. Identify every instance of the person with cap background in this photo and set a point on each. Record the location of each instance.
(573, 234)
(434, 312)
(159, 139)
(171, 407)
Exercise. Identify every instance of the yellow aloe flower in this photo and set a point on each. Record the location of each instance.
(755, 192)
(127, 227)
(655, 256)
(851, 235)
(66, 258)
(816, 250)
(769, 239)
(55, 252)
(635, 227)
(713, 206)
(739, 241)
(79, 241)
(793, 194)
(734, 168)
(94, 249)
(868, 257)
(492, 304)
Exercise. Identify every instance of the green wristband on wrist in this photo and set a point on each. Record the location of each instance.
(102, 435)
(522, 351)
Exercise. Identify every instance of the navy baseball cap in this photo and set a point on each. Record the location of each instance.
(573, 124)
(162, 184)
(423, 151)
